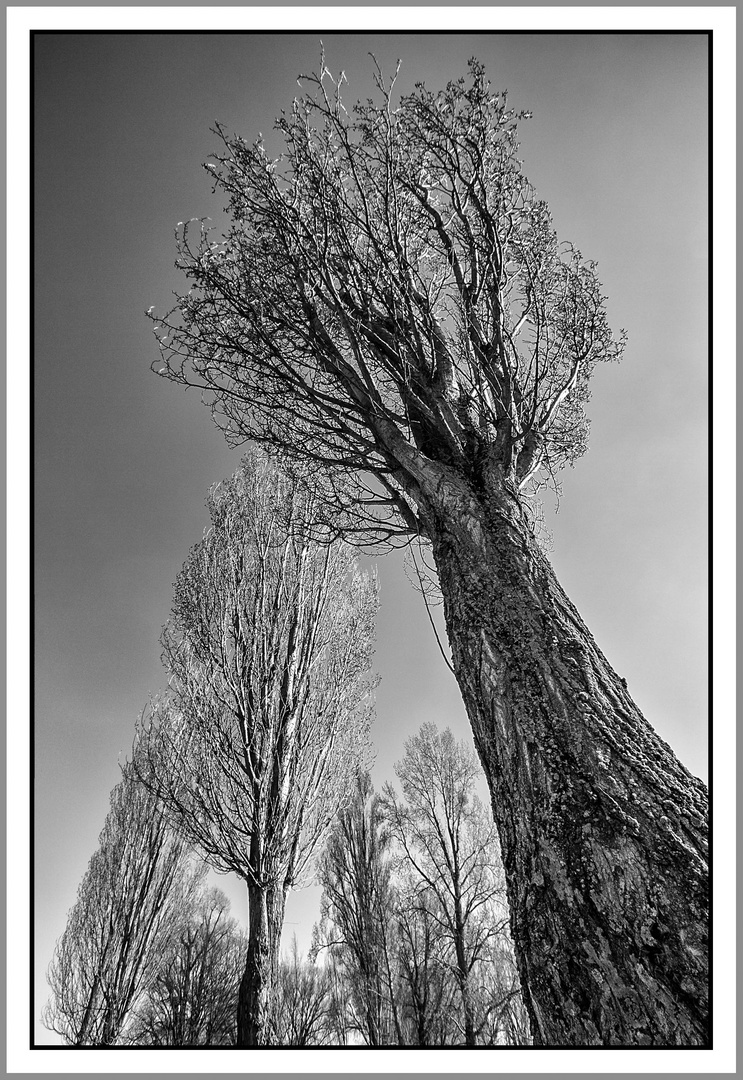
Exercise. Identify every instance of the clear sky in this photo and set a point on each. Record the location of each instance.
(618, 148)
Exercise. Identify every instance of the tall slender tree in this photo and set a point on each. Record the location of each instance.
(254, 747)
(128, 908)
(442, 830)
(357, 910)
(391, 302)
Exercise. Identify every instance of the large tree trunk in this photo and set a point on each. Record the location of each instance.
(603, 831)
(265, 920)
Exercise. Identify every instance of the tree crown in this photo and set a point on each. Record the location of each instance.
(390, 286)
(268, 652)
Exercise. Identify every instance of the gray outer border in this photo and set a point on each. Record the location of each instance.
(3, 554)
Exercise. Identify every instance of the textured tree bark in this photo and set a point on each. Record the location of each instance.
(603, 830)
(265, 920)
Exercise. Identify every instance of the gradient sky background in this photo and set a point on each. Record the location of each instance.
(618, 148)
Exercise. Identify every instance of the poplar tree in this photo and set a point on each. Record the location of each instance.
(254, 747)
(357, 915)
(441, 828)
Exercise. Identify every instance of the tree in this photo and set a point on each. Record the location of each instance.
(253, 748)
(127, 910)
(301, 1003)
(428, 994)
(193, 999)
(357, 906)
(391, 303)
(442, 830)
(503, 1020)
(340, 1006)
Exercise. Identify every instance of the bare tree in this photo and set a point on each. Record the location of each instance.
(441, 827)
(391, 302)
(128, 908)
(301, 1003)
(499, 1005)
(338, 1019)
(357, 909)
(254, 747)
(193, 999)
(428, 996)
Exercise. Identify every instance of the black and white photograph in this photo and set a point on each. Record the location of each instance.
(370, 472)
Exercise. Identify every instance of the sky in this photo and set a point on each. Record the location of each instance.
(123, 460)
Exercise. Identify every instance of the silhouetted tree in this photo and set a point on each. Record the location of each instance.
(391, 303)
(255, 745)
(127, 911)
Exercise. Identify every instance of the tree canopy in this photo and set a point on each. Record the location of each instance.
(268, 653)
(390, 286)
